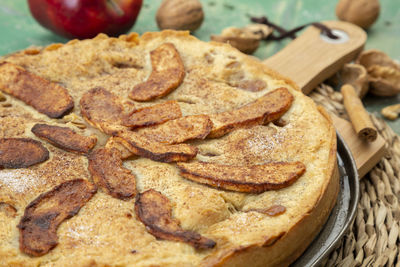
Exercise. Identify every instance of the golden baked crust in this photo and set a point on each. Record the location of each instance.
(106, 231)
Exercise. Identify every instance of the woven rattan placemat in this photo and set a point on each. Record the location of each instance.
(374, 237)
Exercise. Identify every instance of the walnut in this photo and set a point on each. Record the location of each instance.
(355, 75)
(180, 15)
(391, 112)
(261, 31)
(245, 39)
(360, 12)
(384, 73)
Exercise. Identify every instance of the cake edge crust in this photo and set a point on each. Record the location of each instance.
(284, 249)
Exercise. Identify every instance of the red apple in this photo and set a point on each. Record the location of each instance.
(86, 18)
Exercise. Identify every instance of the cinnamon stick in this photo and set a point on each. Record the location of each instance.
(359, 117)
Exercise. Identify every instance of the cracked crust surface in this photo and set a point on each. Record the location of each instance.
(106, 230)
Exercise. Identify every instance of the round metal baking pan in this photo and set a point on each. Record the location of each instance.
(342, 214)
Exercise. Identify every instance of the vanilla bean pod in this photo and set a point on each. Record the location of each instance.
(292, 33)
(264, 20)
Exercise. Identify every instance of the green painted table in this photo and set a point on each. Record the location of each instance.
(19, 30)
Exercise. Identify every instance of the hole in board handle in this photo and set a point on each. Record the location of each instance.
(343, 37)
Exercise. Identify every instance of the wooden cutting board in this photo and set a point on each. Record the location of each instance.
(310, 59)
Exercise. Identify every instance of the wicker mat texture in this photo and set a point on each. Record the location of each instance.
(374, 237)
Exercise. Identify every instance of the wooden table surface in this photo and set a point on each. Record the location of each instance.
(19, 30)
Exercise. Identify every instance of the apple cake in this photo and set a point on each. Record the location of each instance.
(159, 150)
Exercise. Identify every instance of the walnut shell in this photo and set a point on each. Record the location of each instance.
(243, 44)
(245, 39)
(355, 75)
(360, 12)
(384, 73)
(261, 31)
(180, 15)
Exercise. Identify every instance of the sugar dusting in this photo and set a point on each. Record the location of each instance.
(83, 234)
(239, 223)
(79, 232)
(19, 181)
(261, 144)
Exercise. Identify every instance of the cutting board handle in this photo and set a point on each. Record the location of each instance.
(311, 58)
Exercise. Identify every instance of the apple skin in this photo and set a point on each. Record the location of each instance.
(84, 19)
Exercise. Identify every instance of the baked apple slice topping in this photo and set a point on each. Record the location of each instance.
(153, 115)
(154, 138)
(118, 143)
(248, 179)
(274, 210)
(65, 138)
(250, 85)
(38, 226)
(179, 130)
(107, 171)
(154, 210)
(267, 108)
(46, 97)
(167, 74)
(142, 146)
(102, 109)
(21, 153)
